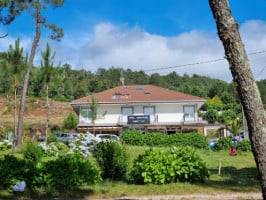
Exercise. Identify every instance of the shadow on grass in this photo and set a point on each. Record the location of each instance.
(232, 179)
(29, 194)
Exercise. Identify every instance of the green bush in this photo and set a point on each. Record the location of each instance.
(70, 171)
(223, 143)
(133, 137)
(12, 170)
(5, 146)
(31, 151)
(52, 138)
(244, 145)
(136, 138)
(71, 121)
(112, 159)
(161, 167)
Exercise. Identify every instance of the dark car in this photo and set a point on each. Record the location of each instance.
(63, 137)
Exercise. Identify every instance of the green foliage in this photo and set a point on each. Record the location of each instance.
(71, 121)
(226, 115)
(4, 146)
(11, 170)
(211, 116)
(235, 126)
(52, 138)
(32, 152)
(93, 105)
(133, 137)
(175, 165)
(223, 143)
(54, 149)
(244, 145)
(136, 138)
(70, 171)
(112, 159)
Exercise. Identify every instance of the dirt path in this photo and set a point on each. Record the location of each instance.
(229, 196)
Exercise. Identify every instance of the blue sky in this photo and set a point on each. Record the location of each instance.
(151, 35)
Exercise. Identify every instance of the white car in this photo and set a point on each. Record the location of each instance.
(88, 138)
(107, 137)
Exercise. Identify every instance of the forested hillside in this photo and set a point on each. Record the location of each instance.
(66, 84)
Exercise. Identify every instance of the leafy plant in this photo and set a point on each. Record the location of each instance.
(32, 152)
(52, 138)
(70, 171)
(70, 121)
(223, 143)
(12, 170)
(161, 167)
(133, 137)
(112, 159)
(5, 145)
(211, 116)
(244, 145)
(196, 140)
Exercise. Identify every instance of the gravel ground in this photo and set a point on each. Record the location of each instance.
(230, 196)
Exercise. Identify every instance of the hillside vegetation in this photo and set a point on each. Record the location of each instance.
(35, 112)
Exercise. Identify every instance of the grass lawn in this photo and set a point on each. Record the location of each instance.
(237, 174)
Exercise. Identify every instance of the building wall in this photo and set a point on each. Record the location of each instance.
(164, 113)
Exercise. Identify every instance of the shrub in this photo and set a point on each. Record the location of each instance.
(161, 167)
(71, 121)
(5, 145)
(195, 140)
(70, 171)
(54, 149)
(32, 152)
(223, 143)
(52, 138)
(112, 159)
(133, 137)
(211, 116)
(11, 170)
(244, 145)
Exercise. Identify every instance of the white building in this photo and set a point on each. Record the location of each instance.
(142, 107)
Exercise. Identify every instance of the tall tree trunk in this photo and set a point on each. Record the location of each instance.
(48, 113)
(27, 75)
(15, 121)
(246, 84)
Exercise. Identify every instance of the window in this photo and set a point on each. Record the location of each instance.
(86, 112)
(189, 113)
(117, 96)
(149, 110)
(127, 111)
(121, 96)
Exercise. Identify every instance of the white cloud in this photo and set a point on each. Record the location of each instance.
(136, 49)
(254, 37)
(121, 46)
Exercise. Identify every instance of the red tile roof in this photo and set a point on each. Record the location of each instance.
(138, 93)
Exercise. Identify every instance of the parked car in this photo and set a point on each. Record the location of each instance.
(64, 137)
(87, 138)
(107, 137)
